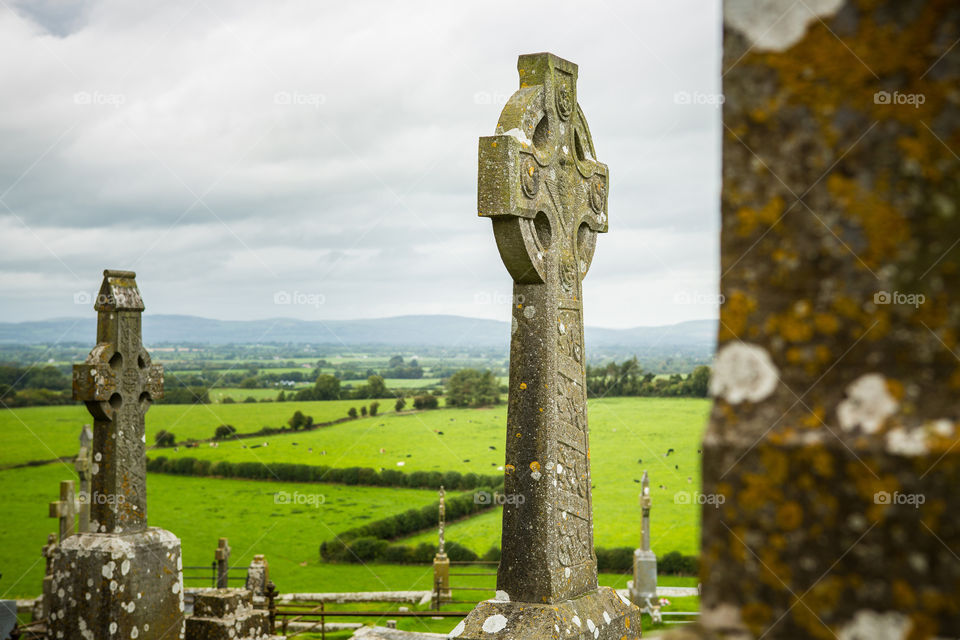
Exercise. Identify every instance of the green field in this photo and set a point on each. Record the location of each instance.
(624, 431)
(44, 433)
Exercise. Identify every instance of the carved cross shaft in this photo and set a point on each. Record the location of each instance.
(117, 382)
(65, 509)
(223, 563)
(546, 193)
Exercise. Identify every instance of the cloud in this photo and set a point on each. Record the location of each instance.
(228, 150)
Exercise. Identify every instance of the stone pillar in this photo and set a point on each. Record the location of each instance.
(65, 509)
(258, 575)
(540, 183)
(441, 563)
(226, 614)
(223, 563)
(833, 437)
(83, 465)
(49, 552)
(643, 590)
(122, 579)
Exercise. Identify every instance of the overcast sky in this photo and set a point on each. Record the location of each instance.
(229, 151)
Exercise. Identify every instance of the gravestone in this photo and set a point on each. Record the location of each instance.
(223, 563)
(833, 437)
(83, 464)
(41, 609)
(65, 509)
(643, 590)
(258, 575)
(441, 563)
(546, 194)
(122, 579)
(226, 614)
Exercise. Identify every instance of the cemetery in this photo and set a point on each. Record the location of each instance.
(811, 496)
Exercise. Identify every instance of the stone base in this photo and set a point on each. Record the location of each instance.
(117, 586)
(602, 614)
(644, 577)
(227, 614)
(441, 573)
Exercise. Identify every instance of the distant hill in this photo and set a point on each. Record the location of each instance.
(436, 330)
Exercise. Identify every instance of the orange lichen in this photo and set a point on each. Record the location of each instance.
(734, 313)
(750, 219)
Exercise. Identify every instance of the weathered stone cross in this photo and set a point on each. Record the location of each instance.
(83, 464)
(546, 193)
(65, 509)
(223, 563)
(118, 383)
(540, 183)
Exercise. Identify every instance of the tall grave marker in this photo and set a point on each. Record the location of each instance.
(121, 579)
(546, 194)
(833, 436)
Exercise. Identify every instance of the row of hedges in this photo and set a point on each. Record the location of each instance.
(372, 549)
(452, 480)
(371, 541)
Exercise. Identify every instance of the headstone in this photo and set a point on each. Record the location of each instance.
(540, 183)
(830, 462)
(223, 563)
(49, 551)
(643, 590)
(226, 614)
(65, 509)
(8, 618)
(122, 579)
(441, 563)
(83, 464)
(258, 575)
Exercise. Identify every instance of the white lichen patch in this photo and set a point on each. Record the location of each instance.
(519, 136)
(867, 624)
(501, 596)
(495, 623)
(743, 372)
(867, 405)
(943, 428)
(529, 311)
(775, 25)
(457, 630)
(907, 442)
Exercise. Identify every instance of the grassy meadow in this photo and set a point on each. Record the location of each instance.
(628, 436)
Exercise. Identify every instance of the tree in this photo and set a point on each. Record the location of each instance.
(374, 407)
(164, 438)
(297, 421)
(327, 387)
(375, 388)
(698, 381)
(363, 410)
(352, 412)
(399, 404)
(472, 388)
(427, 401)
(224, 431)
(281, 397)
(250, 383)
(395, 361)
(250, 399)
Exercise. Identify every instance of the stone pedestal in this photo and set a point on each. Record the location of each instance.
(441, 574)
(117, 586)
(600, 614)
(644, 583)
(227, 614)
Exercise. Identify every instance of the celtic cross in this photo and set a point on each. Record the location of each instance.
(540, 183)
(117, 382)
